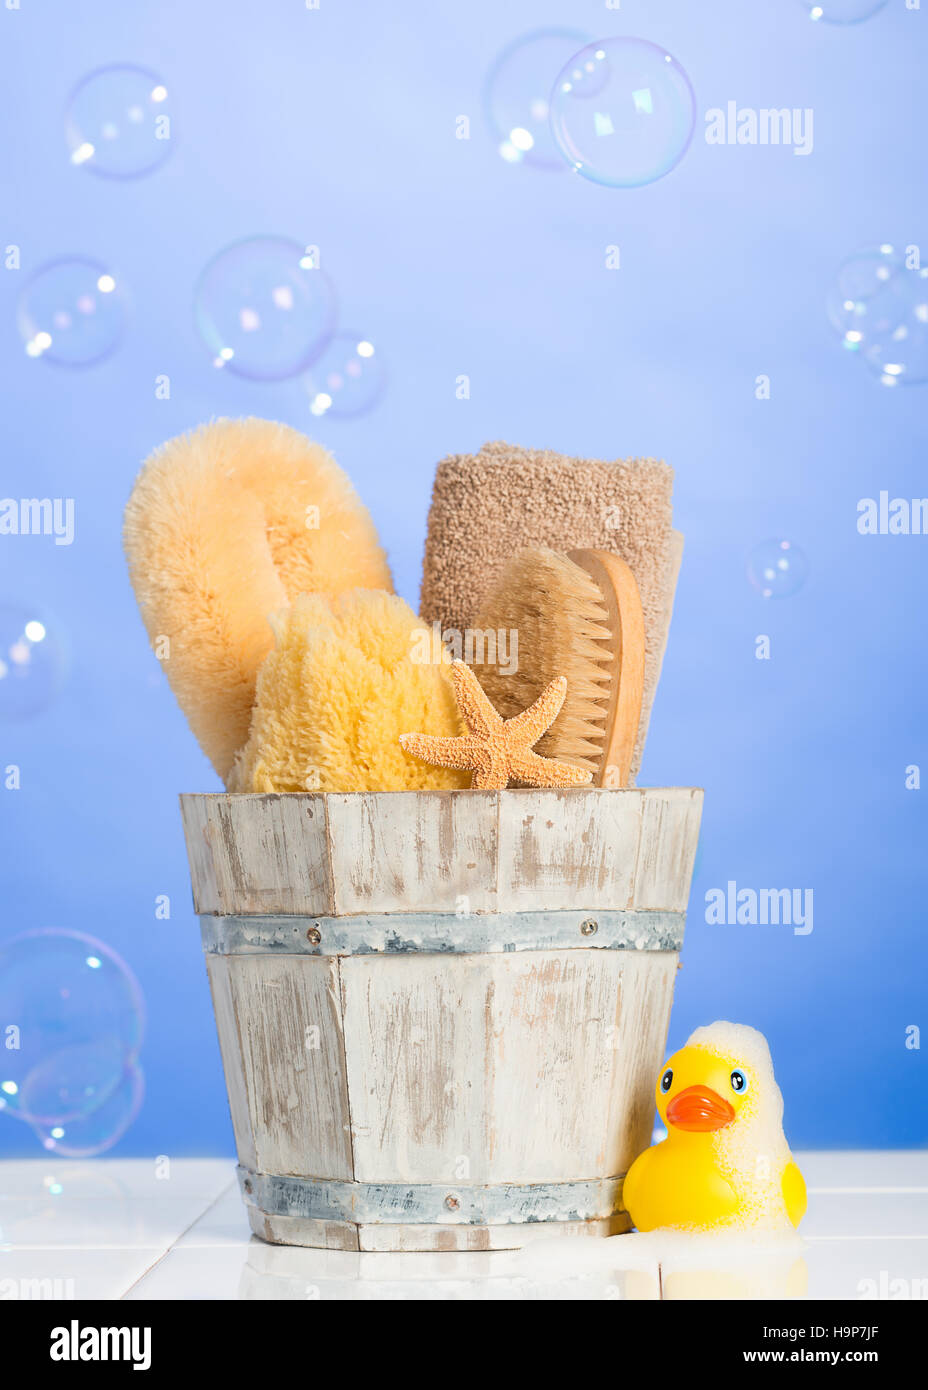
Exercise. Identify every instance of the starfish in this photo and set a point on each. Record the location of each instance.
(498, 750)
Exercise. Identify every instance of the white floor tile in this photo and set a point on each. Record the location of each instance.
(69, 1274)
(225, 1222)
(868, 1269)
(266, 1272)
(96, 1223)
(730, 1277)
(142, 1228)
(109, 1177)
(866, 1215)
(896, 1168)
(832, 1269)
(197, 1274)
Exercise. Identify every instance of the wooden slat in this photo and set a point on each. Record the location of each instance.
(442, 1238)
(567, 1029)
(230, 1048)
(298, 1230)
(201, 852)
(669, 835)
(441, 851)
(414, 851)
(415, 1039)
(252, 853)
(297, 1091)
(552, 1016)
(510, 1068)
(638, 1049)
(568, 849)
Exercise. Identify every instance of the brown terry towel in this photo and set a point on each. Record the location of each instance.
(488, 506)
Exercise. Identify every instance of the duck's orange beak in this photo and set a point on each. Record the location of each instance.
(700, 1109)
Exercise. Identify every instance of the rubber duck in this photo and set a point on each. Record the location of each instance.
(725, 1161)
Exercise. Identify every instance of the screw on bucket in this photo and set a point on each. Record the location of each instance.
(247, 1185)
(589, 927)
(453, 1201)
(314, 936)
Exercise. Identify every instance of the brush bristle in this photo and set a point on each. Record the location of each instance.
(555, 612)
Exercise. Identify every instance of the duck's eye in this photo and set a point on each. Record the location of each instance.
(739, 1081)
(667, 1080)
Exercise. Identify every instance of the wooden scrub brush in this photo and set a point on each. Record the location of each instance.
(577, 615)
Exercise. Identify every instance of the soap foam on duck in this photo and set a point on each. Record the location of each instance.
(752, 1153)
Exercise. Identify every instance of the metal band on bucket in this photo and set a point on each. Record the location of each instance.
(438, 933)
(431, 1203)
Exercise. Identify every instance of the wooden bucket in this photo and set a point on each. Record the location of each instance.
(440, 1013)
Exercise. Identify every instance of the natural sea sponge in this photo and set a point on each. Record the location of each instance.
(225, 526)
(347, 676)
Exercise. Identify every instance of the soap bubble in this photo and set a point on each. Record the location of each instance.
(899, 353)
(118, 122)
(86, 1135)
(842, 11)
(777, 568)
(264, 308)
(69, 1081)
(348, 379)
(72, 312)
(74, 1011)
(518, 94)
(32, 662)
(867, 299)
(622, 112)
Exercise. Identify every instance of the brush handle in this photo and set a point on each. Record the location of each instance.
(617, 584)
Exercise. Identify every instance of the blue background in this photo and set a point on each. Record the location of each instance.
(337, 127)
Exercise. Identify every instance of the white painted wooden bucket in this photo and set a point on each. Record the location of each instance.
(440, 1013)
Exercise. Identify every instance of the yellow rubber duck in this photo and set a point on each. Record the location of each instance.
(725, 1161)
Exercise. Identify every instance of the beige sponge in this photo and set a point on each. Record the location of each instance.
(224, 527)
(487, 507)
(347, 676)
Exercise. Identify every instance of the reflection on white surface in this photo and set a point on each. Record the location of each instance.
(733, 1270)
(176, 1229)
(284, 1272)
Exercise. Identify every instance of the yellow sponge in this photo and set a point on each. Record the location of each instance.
(224, 527)
(348, 675)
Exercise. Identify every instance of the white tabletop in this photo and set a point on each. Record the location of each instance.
(176, 1229)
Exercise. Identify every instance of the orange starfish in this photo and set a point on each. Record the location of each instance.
(498, 750)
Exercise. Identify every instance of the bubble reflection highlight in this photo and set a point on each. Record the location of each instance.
(517, 96)
(265, 308)
(72, 312)
(777, 568)
(348, 379)
(623, 112)
(74, 1019)
(118, 122)
(32, 661)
